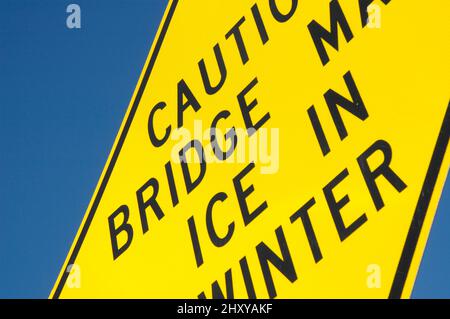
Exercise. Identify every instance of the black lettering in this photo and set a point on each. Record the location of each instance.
(231, 134)
(222, 68)
(282, 17)
(318, 130)
(236, 32)
(242, 195)
(215, 239)
(302, 213)
(143, 205)
(260, 24)
(355, 107)
(185, 91)
(247, 278)
(217, 291)
(151, 130)
(320, 34)
(370, 176)
(192, 184)
(336, 206)
(123, 227)
(246, 108)
(172, 185)
(195, 241)
(284, 264)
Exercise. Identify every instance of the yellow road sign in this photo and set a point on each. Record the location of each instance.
(274, 148)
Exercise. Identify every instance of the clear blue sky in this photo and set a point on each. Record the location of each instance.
(63, 94)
